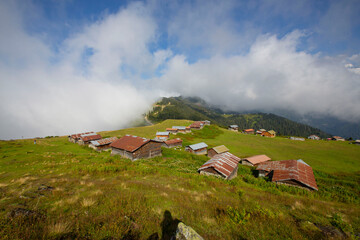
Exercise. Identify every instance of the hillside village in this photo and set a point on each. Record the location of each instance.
(165, 173)
(222, 163)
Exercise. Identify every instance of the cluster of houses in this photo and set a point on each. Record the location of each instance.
(222, 163)
(260, 132)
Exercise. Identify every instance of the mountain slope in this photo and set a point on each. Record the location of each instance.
(197, 109)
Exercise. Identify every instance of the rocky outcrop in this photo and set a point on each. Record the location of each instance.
(184, 232)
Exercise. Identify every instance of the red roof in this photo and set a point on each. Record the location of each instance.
(129, 143)
(257, 159)
(196, 124)
(77, 135)
(90, 137)
(296, 170)
(249, 130)
(223, 163)
(173, 141)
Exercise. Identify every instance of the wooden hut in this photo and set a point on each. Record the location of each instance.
(85, 139)
(172, 130)
(206, 122)
(180, 129)
(177, 142)
(260, 131)
(290, 172)
(254, 160)
(217, 150)
(198, 149)
(197, 125)
(162, 136)
(249, 131)
(102, 144)
(134, 147)
(270, 134)
(314, 137)
(223, 165)
(234, 128)
(75, 137)
(337, 138)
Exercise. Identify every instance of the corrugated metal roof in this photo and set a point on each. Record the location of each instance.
(179, 127)
(103, 141)
(234, 126)
(220, 149)
(171, 129)
(162, 133)
(263, 130)
(87, 134)
(77, 135)
(224, 164)
(173, 141)
(257, 159)
(129, 143)
(90, 137)
(286, 170)
(198, 146)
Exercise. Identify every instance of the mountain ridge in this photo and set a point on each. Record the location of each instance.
(194, 108)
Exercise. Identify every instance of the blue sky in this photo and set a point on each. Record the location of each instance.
(104, 62)
(332, 27)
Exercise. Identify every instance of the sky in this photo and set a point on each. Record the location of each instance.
(73, 66)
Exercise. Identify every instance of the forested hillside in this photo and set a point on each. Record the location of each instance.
(197, 109)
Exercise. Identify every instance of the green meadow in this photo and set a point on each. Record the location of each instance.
(60, 190)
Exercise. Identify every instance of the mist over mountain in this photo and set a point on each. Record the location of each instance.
(194, 108)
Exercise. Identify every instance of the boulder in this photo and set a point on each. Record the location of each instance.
(184, 232)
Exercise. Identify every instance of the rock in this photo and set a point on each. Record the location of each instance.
(184, 232)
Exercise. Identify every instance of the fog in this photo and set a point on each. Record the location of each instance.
(107, 72)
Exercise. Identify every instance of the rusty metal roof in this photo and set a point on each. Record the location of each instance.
(173, 141)
(129, 143)
(77, 135)
(286, 170)
(220, 149)
(224, 164)
(257, 159)
(104, 141)
(196, 124)
(198, 146)
(90, 137)
(171, 129)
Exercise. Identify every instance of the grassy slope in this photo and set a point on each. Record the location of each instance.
(97, 195)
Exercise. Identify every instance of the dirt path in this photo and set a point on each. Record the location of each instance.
(148, 121)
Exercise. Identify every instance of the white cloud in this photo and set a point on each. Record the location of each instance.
(273, 75)
(109, 72)
(81, 90)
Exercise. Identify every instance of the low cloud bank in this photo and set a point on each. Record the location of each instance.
(108, 73)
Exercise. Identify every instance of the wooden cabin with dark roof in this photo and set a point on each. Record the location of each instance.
(134, 147)
(177, 142)
(290, 172)
(223, 165)
(85, 139)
